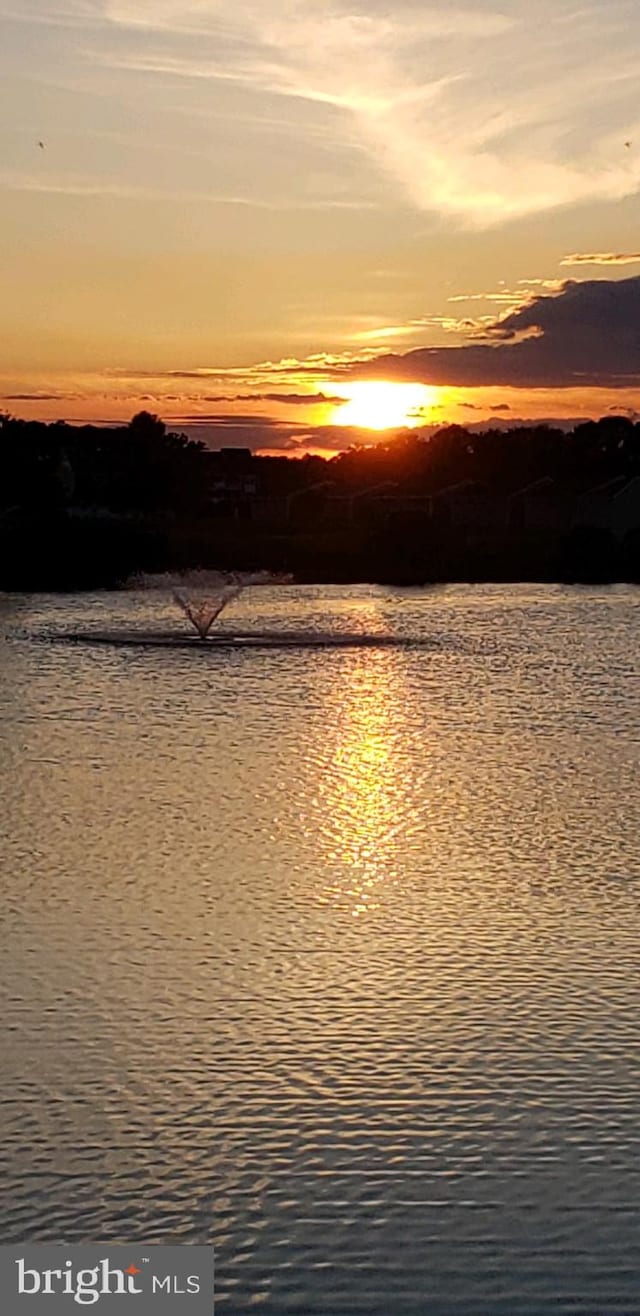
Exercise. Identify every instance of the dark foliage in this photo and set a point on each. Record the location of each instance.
(83, 506)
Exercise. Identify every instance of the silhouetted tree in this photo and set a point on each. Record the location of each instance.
(147, 426)
(123, 496)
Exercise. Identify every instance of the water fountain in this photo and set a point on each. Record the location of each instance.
(202, 597)
(203, 612)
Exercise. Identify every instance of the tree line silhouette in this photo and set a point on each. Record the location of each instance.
(86, 506)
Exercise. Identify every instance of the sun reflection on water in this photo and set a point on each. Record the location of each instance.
(362, 790)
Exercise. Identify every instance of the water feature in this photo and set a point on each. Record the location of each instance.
(329, 957)
(203, 612)
(203, 595)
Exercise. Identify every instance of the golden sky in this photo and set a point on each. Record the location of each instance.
(251, 217)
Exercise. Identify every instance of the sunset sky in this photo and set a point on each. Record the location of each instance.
(279, 222)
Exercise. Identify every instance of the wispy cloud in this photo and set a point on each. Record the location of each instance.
(293, 399)
(602, 258)
(66, 13)
(40, 396)
(552, 285)
(482, 112)
(477, 112)
(104, 187)
(503, 297)
(285, 399)
(99, 187)
(312, 369)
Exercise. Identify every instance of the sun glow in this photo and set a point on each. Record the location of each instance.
(381, 406)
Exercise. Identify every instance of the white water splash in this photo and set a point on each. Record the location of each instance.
(203, 595)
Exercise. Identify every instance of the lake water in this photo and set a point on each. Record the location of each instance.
(330, 958)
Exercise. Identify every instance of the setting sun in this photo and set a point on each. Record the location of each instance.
(382, 406)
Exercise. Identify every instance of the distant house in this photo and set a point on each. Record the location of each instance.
(537, 505)
(269, 509)
(232, 481)
(402, 506)
(625, 508)
(307, 506)
(363, 505)
(596, 506)
(545, 506)
(470, 507)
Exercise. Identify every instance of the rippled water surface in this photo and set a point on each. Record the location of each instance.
(330, 957)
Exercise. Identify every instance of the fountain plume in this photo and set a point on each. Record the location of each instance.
(203, 595)
(202, 612)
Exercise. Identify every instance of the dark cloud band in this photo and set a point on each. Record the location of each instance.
(588, 336)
